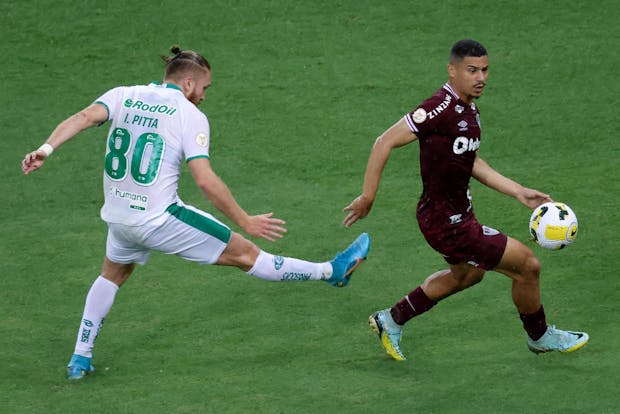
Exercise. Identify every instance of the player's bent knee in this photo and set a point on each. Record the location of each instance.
(519, 262)
(117, 273)
(472, 278)
(532, 266)
(466, 275)
(529, 270)
(239, 252)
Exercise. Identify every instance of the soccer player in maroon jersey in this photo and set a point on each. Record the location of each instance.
(447, 126)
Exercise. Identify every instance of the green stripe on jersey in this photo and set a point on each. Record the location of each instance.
(200, 222)
(197, 156)
(106, 108)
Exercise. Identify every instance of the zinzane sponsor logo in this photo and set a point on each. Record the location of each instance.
(440, 108)
(463, 144)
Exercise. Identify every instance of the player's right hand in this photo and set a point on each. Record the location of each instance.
(265, 226)
(33, 161)
(532, 198)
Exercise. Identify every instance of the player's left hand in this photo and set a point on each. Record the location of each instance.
(33, 161)
(533, 198)
(265, 226)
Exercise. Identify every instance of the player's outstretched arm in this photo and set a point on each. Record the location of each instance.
(263, 225)
(396, 136)
(67, 129)
(493, 179)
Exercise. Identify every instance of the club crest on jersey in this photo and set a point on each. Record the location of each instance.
(202, 140)
(459, 109)
(419, 116)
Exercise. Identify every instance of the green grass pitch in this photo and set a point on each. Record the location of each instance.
(300, 91)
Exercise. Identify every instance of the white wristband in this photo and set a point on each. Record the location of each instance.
(47, 149)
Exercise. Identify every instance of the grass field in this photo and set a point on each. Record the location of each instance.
(300, 91)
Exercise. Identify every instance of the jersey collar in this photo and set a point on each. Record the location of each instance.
(448, 88)
(166, 85)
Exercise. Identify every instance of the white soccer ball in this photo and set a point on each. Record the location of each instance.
(553, 225)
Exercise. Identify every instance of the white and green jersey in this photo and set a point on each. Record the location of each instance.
(154, 127)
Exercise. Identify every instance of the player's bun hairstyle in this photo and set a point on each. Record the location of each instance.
(466, 48)
(183, 61)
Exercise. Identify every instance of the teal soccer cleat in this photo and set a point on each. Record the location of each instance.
(79, 367)
(347, 261)
(389, 333)
(558, 340)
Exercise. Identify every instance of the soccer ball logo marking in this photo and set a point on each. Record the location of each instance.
(553, 225)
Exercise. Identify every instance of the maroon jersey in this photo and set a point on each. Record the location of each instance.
(449, 133)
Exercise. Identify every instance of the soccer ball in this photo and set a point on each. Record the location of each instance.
(553, 225)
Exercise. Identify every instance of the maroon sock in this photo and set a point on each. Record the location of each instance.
(535, 323)
(414, 304)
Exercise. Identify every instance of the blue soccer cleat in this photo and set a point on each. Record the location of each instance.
(389, 333)
(347, 261)
(79, 367)
(558, 340)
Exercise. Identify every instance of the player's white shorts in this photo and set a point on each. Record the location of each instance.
(183, 230)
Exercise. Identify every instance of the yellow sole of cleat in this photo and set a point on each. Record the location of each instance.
(385, 341)
(576, 347)
(389, 349)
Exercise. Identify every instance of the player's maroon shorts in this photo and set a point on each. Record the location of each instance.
(467, 241)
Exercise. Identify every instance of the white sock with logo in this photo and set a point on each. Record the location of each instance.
(281, 269)
(98, 304)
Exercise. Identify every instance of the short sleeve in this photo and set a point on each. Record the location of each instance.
(423, 119)
(111, 100)
(196, 136)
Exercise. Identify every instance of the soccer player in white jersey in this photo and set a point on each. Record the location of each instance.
(153, 129)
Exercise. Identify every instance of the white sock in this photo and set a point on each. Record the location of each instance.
(98, 304)
(282, 269)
